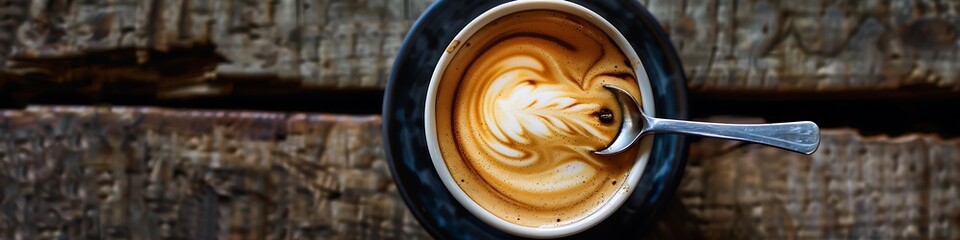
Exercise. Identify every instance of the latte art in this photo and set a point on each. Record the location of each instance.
(518, 115)
(525, 110)
(534, 107)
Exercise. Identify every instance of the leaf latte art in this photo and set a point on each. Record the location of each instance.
(517, 117)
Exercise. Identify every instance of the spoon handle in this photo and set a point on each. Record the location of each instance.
(802, 137)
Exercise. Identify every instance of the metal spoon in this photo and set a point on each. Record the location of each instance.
(802, 137)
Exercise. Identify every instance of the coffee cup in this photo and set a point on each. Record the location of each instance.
(516, 105)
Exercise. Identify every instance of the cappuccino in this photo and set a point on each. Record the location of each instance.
(519, 109)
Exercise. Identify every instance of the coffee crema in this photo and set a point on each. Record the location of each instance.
(519, 111)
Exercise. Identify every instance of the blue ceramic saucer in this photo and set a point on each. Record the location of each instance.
(405, 143)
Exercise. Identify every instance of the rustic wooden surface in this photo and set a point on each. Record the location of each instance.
(814, 45)
(725, 45)
(853, 187)
(153, 172)
(148, 173)
(334, 44)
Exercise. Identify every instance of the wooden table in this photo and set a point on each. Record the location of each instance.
(234, 130)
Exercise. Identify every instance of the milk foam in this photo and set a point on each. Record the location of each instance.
(527, 112)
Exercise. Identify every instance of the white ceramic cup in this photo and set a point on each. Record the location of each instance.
(431, 128)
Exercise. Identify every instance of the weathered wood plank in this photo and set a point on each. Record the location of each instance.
(135, 172)
(725, 45)
(853, 187)
(814, 45)
(317, 43)
(148, 173)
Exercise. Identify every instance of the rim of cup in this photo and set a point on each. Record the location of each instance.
(633, 176)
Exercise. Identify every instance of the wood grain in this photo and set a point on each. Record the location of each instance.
(315, 43)
(139, 173)
(814, 45)
(725, 45)
(853, 187)
(151, 173)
